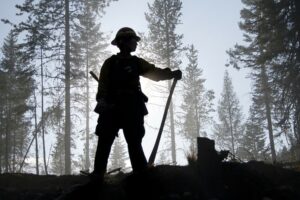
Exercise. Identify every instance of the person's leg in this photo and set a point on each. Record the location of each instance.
(134, 132)
(102, 153)
(106, 131)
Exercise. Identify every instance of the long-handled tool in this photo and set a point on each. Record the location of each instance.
(155, 148)
(94, 76)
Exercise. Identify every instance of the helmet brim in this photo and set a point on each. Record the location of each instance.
(115, 41)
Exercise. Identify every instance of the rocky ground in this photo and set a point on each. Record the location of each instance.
(240, 181)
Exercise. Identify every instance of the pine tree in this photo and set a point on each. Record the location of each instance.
(271, 29)
(229, 130)
(42, 28)
(16, 88)
(163, 158)
(47, 20)
(56, 122)
(118, 155)
(165, 44)
(264, 97)
(197, 101)
(253, 141)
(285, 71)
(88, 50)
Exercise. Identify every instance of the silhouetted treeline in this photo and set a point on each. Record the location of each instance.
(63, 41)
(16, 87)
(271, 50)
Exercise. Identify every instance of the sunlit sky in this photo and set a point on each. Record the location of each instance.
(211, 25)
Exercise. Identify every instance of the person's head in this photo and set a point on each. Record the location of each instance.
(126, 39)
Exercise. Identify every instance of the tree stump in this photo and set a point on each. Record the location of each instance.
(209, 169)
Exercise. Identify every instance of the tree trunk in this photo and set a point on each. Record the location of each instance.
(171, 110)
(1, 144)
(172, 126)
(297, 115)
(42, 113)
(87, 130)
(60, 148)
(14, 152)
(267, 102)
(36, 138)
(7, 136)
(67, 92)
(231, 132)
(197, 126)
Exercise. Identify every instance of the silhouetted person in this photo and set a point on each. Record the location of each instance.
(121, 103)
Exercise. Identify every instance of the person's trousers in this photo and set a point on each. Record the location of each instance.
(134, 131)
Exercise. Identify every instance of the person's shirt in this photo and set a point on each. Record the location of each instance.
(121, 75)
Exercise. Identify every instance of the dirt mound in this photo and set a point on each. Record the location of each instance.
(252, 180)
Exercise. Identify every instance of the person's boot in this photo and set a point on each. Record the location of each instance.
(97, 177)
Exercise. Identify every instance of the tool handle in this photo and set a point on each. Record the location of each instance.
(155, 148)
(94, 76)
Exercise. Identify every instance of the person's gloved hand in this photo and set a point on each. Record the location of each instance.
(177, 74)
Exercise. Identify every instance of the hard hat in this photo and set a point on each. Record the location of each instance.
(125, 32)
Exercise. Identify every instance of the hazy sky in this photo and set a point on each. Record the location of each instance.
(211, 25)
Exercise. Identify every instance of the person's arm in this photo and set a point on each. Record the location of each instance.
(157, 74)
(103, 82)
(102, 93)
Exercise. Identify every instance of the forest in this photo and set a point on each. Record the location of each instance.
(47, 90)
